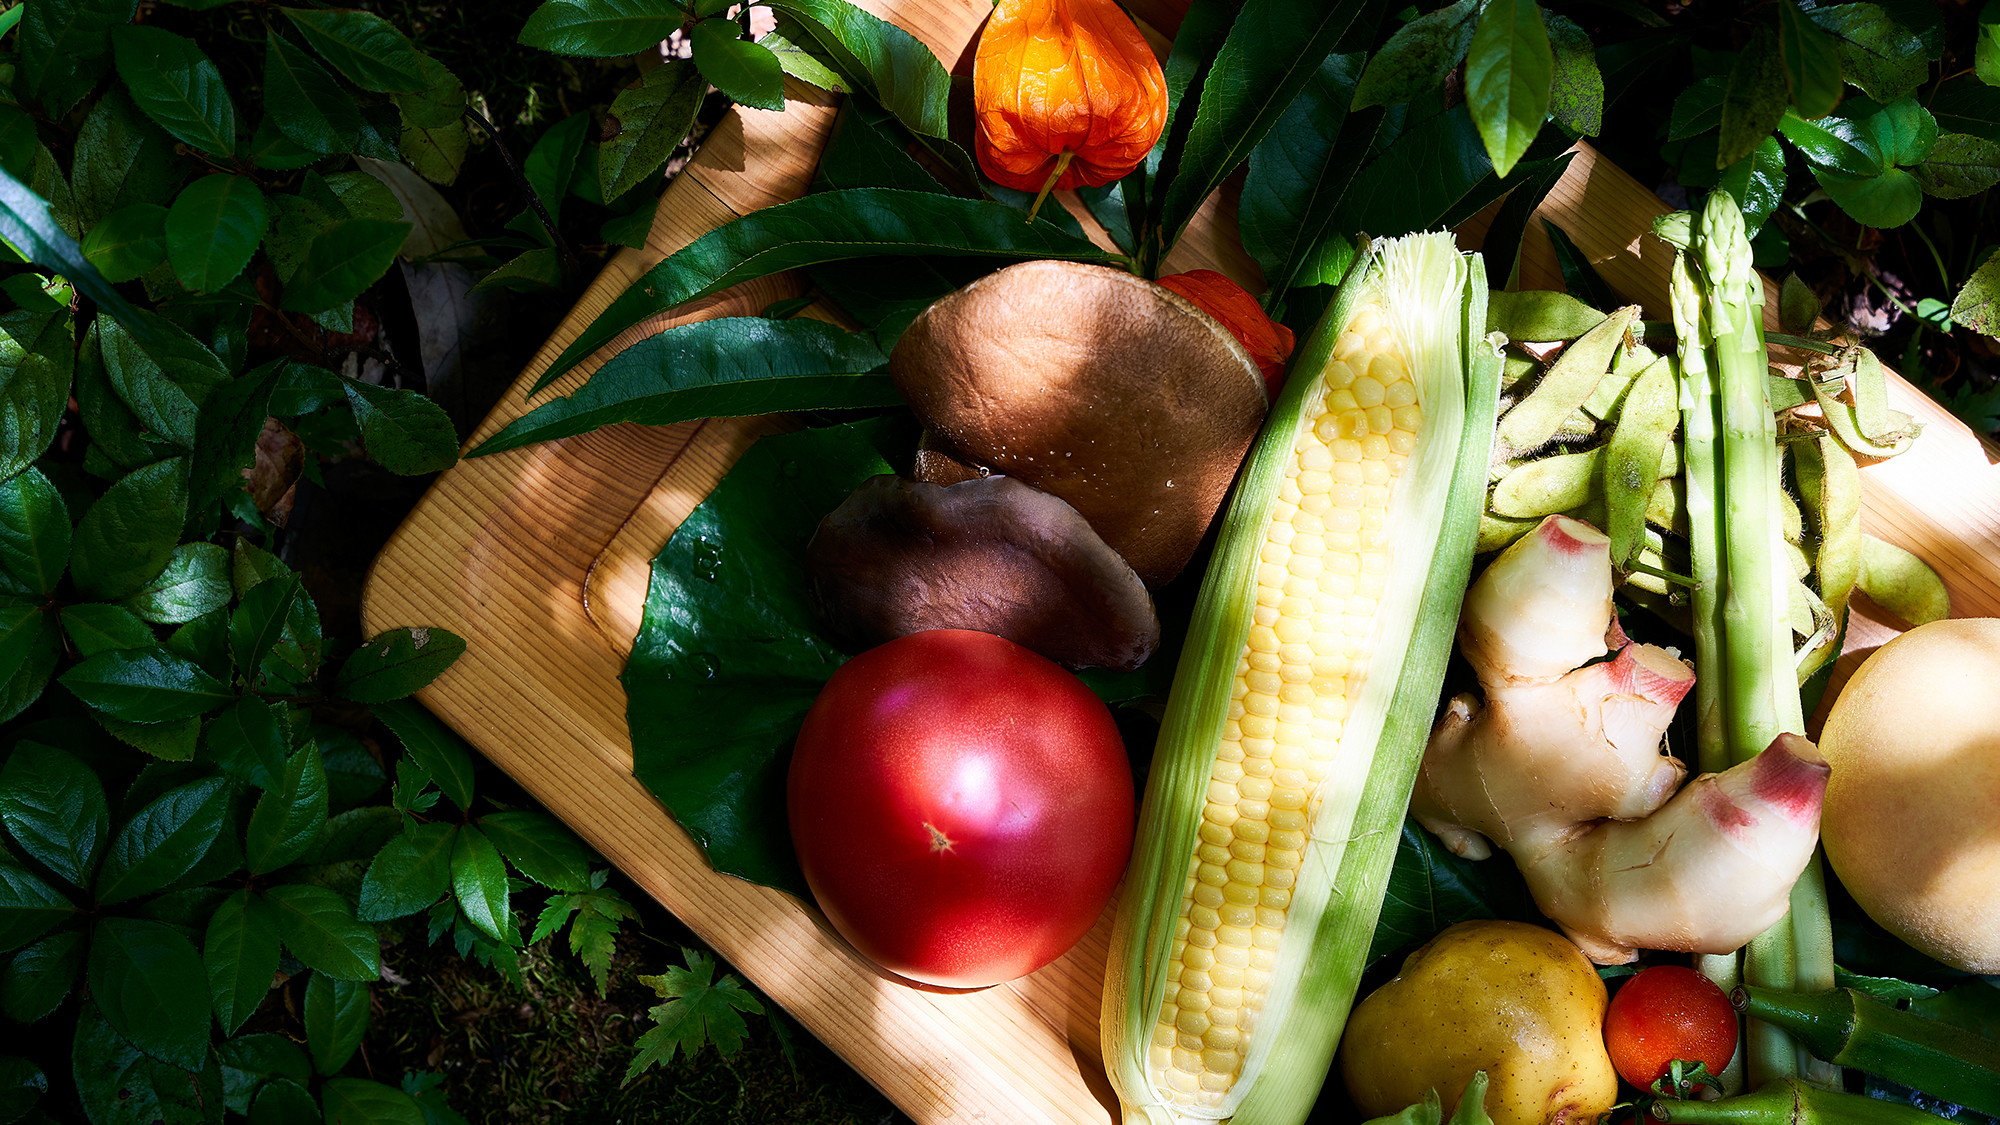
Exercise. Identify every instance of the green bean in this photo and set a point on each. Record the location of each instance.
(1647, 419)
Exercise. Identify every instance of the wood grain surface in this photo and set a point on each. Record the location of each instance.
(539, 558)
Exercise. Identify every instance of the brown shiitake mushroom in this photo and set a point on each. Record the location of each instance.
(990, 554)
(1116, 394)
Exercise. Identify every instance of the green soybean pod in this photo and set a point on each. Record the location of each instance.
(1567, 383)
(1645, 426)
(1548, 485)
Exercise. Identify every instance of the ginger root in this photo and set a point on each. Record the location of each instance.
(1563, 767)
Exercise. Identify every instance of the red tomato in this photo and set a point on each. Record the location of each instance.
(1664, 1013)
(962, 807)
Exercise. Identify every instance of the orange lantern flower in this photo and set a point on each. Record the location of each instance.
(1066, 93)
(1269, 343)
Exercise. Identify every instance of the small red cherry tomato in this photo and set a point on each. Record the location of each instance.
(962, 807)
(1664, 1013)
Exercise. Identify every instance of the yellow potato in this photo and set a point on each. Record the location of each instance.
(1519, 1002)
(1912, 816)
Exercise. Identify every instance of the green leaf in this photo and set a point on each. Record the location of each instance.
(410, 873)
(41, 976)
(1300, 172)
(440, 105)
(1977, 305)
(1418, 57)
(1812, 62)
(1580, 279)
(435, 746)
(1876, 53)
(479, 879)
(258, 623)
(343, 261)
(305, 102)
(1429, 888)
(249, 1061)
(363, 46)
(336, 1017)
(320, 929)
(888, 64)
(1986, 49)
(18, 144)
(725, 367)
(28, 906)
(654, 115)
(225, 438)
(1904, 132)
(540, 847)
(158, 402)
(1502, 247)
(397, 663)
(821, 228)
(1835, 144)
(119, 1084)
(129, 242)
(800, 64)
(1757, 182)
(1756, 99)
(1434, 173)
(1508, 72)
(195, 581)
(1576, 88)
(177, 86)
(599, 29)
(30, 645)
(249, 740)
(1697, 109)
(358, 1101)
(37, 358)
(240, 953)
(213, 229)
(164, 840)
(283, 1102)
(289, 814)
(22, 1084)
(27, 223)
(435, 152)
(699, 1010)
(592, 936)
(536, 271)
(63, 44)
(54, 807)
(748, 72)
(149, 983)
(1888, 199)
(122, 159)
(35, 529)
(722, 671)
(146, 685)
(403, 431)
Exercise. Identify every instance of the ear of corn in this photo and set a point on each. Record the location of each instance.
(1302, 700)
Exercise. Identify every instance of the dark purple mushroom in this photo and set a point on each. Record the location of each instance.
(992, 554)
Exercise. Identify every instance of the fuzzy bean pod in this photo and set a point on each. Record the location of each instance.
(1647, 419)
(1902, 583)
(1567, 383)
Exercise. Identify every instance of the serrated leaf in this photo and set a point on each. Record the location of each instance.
(358, 1101)
(829, 226)
(122, 159)
(1812, 62)
(654, 116)
(164, 840)
(747, 72)
(1418, 56)
(336, 1017)
(1508, 71)
(723, 367)
(305, 102)
(249, 741)
(1755, 100)
(149, 983)
(1876, 53)
(31, 227)
(436, 152)
(1576, 89)
(341, 262)
(283, 1102)
(174, 82)
(160, 403)
(194, 581)
(93, 627)
(699, 1010)
(320, 929)
(37, 358)
(54, 807)
(35, 529)
(30, 645)
(258, 621)
(592, 936)
(119, 1084)
(540, 847)
(147, 685)
(129, 242)
(41, 976)
(1977, 304)
(599, 29)
(397, 663)
(240, 952)
(63, 44)
(363, 46)
(288, 816)
(213, 230)
(1959, 165)
(440, 105)
(479, 879)
(410, 873)
(435, 746)
(402, 430)
(28, 906)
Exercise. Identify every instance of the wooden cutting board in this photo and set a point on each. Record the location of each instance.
(539, 558)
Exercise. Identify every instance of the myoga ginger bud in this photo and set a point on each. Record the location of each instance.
(1563, 767)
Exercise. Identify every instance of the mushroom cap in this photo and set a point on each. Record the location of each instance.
(1112, 392)
(990, 554)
